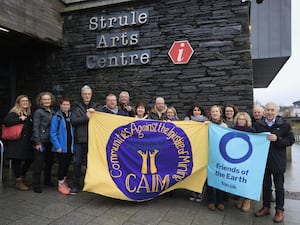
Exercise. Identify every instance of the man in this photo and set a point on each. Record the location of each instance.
(158, 111)
(257, 113)
(112, 106)
(80, 116)
(124, 103)
(281, 136)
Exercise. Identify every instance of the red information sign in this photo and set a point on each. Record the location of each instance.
(181, 52)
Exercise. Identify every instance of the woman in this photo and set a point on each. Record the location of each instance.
(229, 113)
(171, 114)
(41, 138)
(20, 151)
(196, 113)
(242, 122)
(141, 111)
(215, 197)
(62, 139)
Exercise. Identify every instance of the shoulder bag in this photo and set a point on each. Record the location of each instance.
(12, 133)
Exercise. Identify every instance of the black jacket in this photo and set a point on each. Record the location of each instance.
(41, 125)
(120, 112)
(80, 121)
(22, 148)
(128, 113)
(276, 162)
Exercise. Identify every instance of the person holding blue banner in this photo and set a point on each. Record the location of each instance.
(257, 113)
(281, 137)
(242, 122)
(215, 197)
(230, 112)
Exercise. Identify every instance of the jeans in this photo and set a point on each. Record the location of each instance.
(80, 152)
(278, 179)
(214, 195)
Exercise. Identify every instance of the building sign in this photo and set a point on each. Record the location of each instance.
(107, 39)
(130, 58)
(181, 52)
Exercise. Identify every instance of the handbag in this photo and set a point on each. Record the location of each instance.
(12, 133)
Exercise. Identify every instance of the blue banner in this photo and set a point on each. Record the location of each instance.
(237, 160)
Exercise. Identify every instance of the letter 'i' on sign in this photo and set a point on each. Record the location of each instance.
(181, 52)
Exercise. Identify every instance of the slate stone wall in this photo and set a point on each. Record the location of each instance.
(219, 71)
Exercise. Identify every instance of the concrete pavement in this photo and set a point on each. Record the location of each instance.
(50, 207)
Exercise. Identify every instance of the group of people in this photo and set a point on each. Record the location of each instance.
(65, 133)
(263, 119)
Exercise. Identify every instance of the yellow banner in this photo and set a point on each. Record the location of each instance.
(137, 160)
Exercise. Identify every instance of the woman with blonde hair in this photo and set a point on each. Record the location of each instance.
(242, 122)
(171, 114)
(20, 151)
(215, 197)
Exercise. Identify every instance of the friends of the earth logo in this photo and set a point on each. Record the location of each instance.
(224, 151)
(235, 148)
(147, 157)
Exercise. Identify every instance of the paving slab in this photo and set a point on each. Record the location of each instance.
(50, 207)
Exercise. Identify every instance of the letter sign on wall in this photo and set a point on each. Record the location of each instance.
(181, 52)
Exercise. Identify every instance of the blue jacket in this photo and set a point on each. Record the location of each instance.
(58, 133)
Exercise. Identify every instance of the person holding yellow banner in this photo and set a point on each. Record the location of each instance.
(81, 114)
(215, 197)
